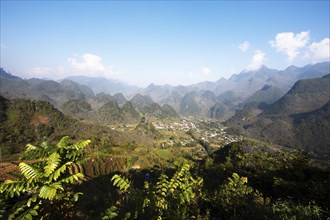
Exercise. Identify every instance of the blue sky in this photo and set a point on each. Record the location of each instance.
(143, 42)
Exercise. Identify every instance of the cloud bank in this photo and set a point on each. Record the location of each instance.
(87, 62)
(293, 45)
(257, 61)
(244, 46)
(290, 44)
(90, 64)
(319, 51)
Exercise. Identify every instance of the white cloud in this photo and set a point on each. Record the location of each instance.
(87, 63)
(206, 71)
(244, 46)
(290, 44)
(91, 65)
(319, 51)
(257, 61)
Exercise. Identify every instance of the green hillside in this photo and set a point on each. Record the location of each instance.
(300, 119)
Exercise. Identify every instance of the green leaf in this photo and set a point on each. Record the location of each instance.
(34, 212)
(30, 147)
(28, 171)
(76, 196)
(60, 170)
(28, 216)
(47, 192)
(52, 162)
(63, 143)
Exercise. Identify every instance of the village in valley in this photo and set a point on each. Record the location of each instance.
(196, 132)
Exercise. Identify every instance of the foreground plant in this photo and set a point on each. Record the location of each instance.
(45, 183)
(170, 198)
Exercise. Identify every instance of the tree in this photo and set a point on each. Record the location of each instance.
(45, 183)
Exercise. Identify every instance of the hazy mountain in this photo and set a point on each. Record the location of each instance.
(158, 92)
(174, 98)
(77, 108)
(237, 88)
(221, 111)
(13, 86)
(110, 112)
(188, 105)
(101, 84)
(169, 111)
(306, 95)
(247, 83)
(196, 99)
(38, 89)
(34, 81)
(129, 113)
(81, 90)
(228, 97)
(300, 118)
(103, 97)
(140, 101)
(205, 100)
(156, 111)
(308, 71)
(120, 98)
(263, 97)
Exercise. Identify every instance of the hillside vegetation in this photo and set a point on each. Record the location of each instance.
(240, 181)
(300, 119)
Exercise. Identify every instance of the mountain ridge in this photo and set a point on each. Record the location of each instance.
(300, 119)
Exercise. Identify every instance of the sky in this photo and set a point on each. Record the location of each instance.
(160, 42)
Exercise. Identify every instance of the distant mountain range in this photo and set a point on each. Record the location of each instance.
(79, 101)
(300, 119)
(288, 107)
(218, 99)
(238, 86)
(46, 90)
(263, 97)
(101, 84)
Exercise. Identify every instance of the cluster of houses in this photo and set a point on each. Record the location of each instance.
(183, 125)
(208, 131)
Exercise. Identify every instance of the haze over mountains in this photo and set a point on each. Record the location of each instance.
(201, 99)
(288, 107)
(301, 118)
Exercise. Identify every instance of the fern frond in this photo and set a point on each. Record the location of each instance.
(57, 173)
(63, 143)
(80, 145)
(30, 147)
(52, 162)
(122, 183)
(36, 152)
(73, 178)
(49, 192)
(28, 171)
(12, 188)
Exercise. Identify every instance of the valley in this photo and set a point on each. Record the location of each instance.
(165, 110)
(266, 136)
